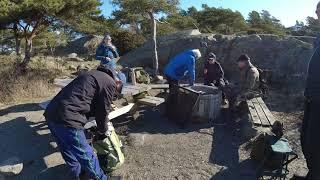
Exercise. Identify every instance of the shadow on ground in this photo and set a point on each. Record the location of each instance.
(32, 143)
(225, 151)
(20, 108)
(152, 121)
(226, 140)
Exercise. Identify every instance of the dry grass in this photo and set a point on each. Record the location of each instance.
(33, 84)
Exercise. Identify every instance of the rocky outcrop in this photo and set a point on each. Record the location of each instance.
(286, 57)
(84, 46)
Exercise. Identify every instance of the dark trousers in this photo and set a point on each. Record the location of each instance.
(310, 134)
(76, 152)
(221, 84)
(173, 97)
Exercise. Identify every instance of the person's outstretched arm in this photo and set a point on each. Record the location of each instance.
(104, 101)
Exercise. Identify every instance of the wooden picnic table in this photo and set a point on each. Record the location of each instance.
(128, 92)
(128, 89)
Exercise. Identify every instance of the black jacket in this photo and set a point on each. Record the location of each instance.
(215, 71)
(90, 94)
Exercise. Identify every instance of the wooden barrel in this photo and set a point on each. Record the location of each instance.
(208, 105)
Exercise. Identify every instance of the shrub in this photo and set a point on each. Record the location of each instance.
(34, 83)
(126, 41)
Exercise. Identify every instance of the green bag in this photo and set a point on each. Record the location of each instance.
(109, 152)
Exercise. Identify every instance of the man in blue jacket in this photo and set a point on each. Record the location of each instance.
(180, 66)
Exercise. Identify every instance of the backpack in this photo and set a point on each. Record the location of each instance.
(262, 152)
(263, 80)
(109, 151)
(263, 86)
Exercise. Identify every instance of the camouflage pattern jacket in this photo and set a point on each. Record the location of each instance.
(249, 81)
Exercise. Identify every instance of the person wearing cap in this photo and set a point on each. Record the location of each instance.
(249, 77)
(213, 72)
(310, 125)
(183, 64)
(107, 52)
(248, 86)
(90, 94)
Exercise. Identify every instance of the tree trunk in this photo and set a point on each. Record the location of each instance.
(18, 45)
(17, 39)
(154, 38)
(27, 52)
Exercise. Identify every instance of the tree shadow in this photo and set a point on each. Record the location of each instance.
(152, 121)
(225, 151)
(244, 170)
(20, 108)
(33, 145)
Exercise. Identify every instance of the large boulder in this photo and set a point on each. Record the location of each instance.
(286, 57)
(84, 46)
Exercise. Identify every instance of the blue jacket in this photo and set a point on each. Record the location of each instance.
(104, 51)
(181, 65)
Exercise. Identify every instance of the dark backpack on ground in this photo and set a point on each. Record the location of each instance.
(262, 151)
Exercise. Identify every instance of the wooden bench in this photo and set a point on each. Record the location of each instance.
(259, 112)
(151, 101)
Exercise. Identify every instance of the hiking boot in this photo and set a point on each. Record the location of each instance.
(297, 177)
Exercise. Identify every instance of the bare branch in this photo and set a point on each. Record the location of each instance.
(162, 22)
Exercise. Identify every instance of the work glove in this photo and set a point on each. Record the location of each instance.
(108, 59)
(100, 136)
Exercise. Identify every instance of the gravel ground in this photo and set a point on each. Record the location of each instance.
(155, 148)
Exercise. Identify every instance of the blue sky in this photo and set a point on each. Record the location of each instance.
(287, 11)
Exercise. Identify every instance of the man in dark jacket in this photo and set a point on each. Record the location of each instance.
(90, 94)
(311, 123)
(213, 72)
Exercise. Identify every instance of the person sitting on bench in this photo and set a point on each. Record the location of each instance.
(249, 82)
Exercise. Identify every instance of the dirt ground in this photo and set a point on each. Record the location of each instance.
(155, 148)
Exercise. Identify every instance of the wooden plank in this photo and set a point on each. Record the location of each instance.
(159, 86)
(254, 115)
(44, 104)
(127, 88)
(262, 116)
(134, 89)
(120, 111)
(266, 110)
(113, 114)
(151, 101)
